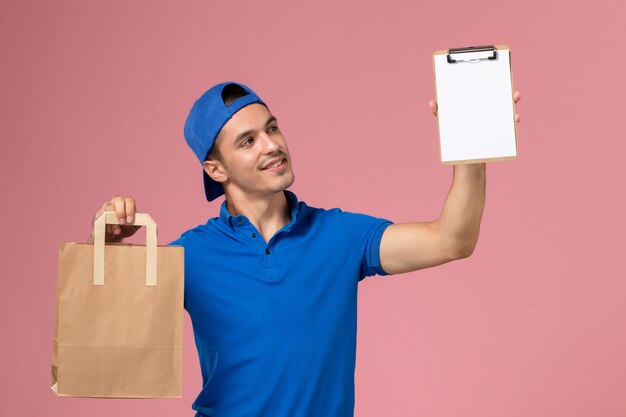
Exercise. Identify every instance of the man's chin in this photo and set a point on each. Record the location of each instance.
(289, 180)
(278, 185)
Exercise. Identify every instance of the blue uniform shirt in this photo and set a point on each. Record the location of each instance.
(275, 322)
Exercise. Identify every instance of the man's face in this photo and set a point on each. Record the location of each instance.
(249, 144)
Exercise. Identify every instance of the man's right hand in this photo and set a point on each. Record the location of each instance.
(125, 209)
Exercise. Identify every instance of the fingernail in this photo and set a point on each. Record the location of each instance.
(116, 231)
(122, 221)
(129, 219)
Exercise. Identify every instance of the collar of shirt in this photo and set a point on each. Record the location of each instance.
(241, 220)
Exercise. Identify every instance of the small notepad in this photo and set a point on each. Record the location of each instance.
(476, 113)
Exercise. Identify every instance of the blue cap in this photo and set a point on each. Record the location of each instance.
(206, 118)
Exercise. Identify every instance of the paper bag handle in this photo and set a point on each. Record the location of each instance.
(141, 219)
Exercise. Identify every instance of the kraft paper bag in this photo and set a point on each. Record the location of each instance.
(119, 317)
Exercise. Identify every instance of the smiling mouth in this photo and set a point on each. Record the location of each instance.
(275, 165)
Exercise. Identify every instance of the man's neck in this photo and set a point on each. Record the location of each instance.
(268, 213)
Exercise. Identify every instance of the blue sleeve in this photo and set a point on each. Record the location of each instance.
(366, 232)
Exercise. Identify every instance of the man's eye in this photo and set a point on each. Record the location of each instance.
(273, 128)
(247, 141)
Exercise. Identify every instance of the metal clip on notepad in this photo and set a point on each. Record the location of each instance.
(471, 54)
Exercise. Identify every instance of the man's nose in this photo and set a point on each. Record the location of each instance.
(269, 144)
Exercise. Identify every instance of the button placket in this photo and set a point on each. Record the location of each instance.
(270, 265)
(269, 258)
(253, 234)
(270, 255)
(256, 239)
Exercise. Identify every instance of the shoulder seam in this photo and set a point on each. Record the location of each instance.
(345, 229)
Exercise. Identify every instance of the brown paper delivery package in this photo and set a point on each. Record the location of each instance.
(119, 317)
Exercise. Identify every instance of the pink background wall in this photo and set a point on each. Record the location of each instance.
(94, 97)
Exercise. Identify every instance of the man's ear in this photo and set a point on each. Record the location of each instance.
(215, 170)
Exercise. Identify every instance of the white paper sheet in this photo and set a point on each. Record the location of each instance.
(475, 108)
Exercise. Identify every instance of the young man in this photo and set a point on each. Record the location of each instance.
(271, 283)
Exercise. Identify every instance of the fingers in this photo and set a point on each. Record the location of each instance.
(119, 203)
(125, 209)
(130, 209)
(516, 96)
(433, 106)
(112, 229)
(517, 118)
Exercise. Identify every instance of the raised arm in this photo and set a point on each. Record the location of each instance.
(406, 247)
